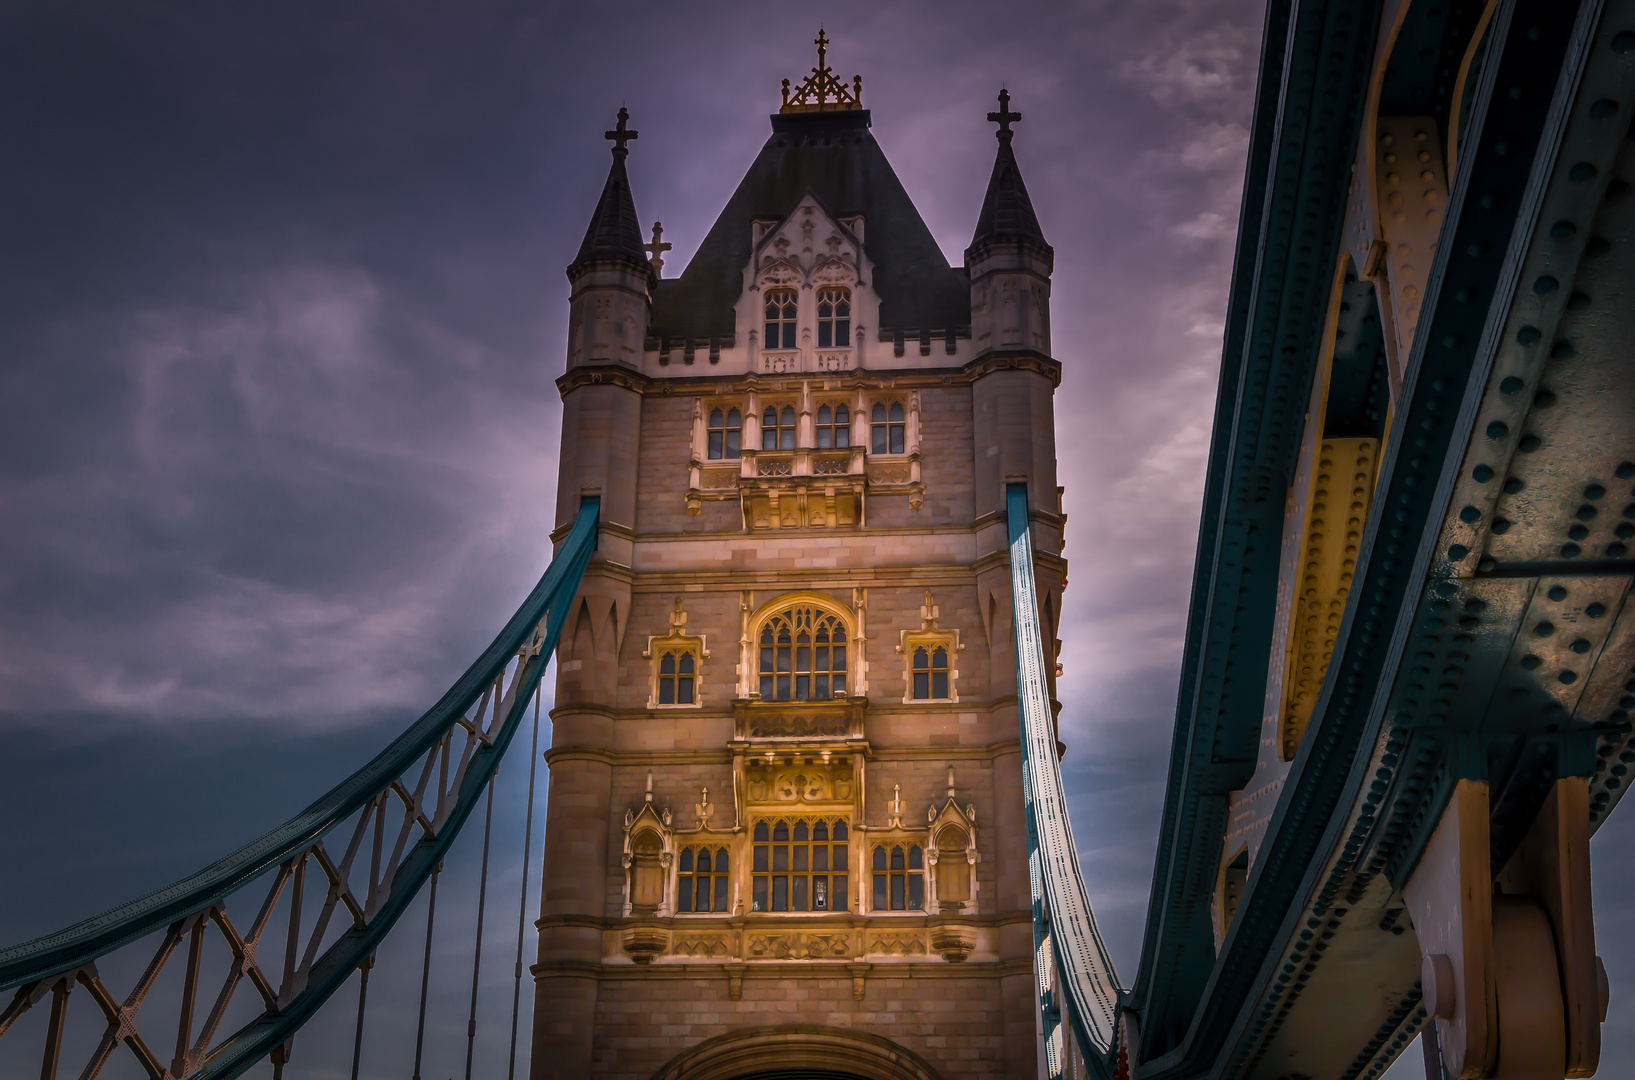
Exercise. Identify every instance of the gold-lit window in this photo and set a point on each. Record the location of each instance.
(886, 429)
(834, 427)
(899, 877)
(726, 434)
(701, 879)
(781, 306)
(803, 655)
(678, 670)
(799, 865)
(834, 305)
(929, 671)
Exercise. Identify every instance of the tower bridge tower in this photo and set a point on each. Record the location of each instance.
(785, 825)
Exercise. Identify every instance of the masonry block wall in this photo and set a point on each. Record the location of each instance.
(785, 781)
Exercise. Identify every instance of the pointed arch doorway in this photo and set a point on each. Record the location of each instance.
(797, 1052)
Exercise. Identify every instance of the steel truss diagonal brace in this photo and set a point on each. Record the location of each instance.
(485, 707)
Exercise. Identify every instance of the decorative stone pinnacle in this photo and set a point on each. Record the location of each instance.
(1004, 117)
(656, 252)
(821, 91)
(621, 134)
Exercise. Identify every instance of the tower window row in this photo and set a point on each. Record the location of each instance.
(832, 429)
(782, 318)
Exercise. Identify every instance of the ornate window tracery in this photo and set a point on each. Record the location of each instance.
(834, 304)
(778, 428)
(802, 655)
(799, 864)
(899, 877)
(701, 879)
(834, 427)
(726, 434)
(887, 428)
(677, 658)
(929, 672)
(781, 307)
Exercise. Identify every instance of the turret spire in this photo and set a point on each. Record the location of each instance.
(1007, 212)
(615, 230)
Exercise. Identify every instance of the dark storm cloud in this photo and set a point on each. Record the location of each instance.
(281, 302)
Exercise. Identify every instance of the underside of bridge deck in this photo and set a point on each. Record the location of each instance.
(1399, 725)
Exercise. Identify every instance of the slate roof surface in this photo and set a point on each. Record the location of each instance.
(615, 230)
(832, 155)
(1007, 212)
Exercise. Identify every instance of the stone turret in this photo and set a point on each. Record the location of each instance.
(1008, 260)
(611, 276)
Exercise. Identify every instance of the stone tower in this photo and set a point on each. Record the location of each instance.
(785, 825)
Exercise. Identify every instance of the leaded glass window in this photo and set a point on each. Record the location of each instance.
(930, 672)
(799, 865)
(781, 305)
(701, 879)
(677, 670)
(834, 427)
(886, 429)
(726, 434)
(834, 305)
(778, 428)
(899, 877)
(803, 655)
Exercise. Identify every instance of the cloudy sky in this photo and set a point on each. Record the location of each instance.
(282, 300)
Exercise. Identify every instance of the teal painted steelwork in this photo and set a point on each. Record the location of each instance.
(1380, 754)
(1072, 968)
(27, 964)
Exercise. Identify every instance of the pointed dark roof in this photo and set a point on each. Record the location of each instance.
(615, 231)
(1007, 212)
(833, 156)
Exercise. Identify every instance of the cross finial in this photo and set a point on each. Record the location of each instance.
(621, 134)
(656, 252)
(822, 42)
(1004, 117)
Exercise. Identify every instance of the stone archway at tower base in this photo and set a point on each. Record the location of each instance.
(794, 1051)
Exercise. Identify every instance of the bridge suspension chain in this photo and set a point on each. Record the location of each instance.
(457, 745)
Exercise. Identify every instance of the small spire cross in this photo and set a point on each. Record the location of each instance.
(1004, 117)
(621, 134)
(656, 252)
(822, 42)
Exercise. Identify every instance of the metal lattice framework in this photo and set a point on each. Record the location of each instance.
(397, 816)
(1071, 966)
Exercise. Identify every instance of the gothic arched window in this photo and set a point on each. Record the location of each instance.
(930, 671)
(701, 880)
(834, 305)
(778, 428)
(781, 306)
(677, 670)
(803, 655)
(834, 427)
(886, 428)
(799, 865)
(726, 434)
(899, 877)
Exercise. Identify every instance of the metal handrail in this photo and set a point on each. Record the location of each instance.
(1072, 968)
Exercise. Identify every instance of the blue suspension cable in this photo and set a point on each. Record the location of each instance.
(522, 907)
(477, 956)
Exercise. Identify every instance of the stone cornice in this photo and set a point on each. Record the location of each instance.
(724, 756)
(602, 375)
(1013, 360)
